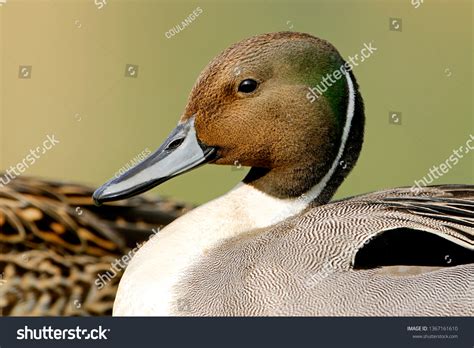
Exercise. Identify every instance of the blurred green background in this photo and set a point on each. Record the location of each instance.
(78, 51)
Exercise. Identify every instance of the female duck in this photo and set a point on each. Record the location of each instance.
(57, 249)
(274, 245)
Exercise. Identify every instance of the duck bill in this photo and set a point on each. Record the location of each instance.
(181, 152)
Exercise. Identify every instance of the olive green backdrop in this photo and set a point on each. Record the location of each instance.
(77, 90)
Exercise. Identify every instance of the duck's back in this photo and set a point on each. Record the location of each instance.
(386, 253)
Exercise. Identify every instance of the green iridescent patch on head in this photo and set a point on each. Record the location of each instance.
(321, 68)
(336, 95)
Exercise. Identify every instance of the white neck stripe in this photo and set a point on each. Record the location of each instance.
(316, 190)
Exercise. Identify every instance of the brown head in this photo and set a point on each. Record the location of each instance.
(252, 105)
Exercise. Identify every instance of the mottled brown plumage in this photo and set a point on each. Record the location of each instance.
(54, 243)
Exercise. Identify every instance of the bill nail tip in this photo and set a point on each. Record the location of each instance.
(97, 199)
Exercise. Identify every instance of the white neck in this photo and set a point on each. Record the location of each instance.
(147, 287)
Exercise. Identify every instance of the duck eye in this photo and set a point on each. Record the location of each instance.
(248, 86)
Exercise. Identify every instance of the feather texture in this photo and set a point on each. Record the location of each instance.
(305, 265)
(54, 243)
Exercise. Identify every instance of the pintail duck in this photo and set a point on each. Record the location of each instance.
(275, 245)
(55, 244)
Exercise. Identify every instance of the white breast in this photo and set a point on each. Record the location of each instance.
(147, 285)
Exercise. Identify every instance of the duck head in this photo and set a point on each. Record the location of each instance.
(252, 106)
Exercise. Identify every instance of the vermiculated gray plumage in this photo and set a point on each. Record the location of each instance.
(305, 265)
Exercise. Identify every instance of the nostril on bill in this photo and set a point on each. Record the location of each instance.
(175, 144)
